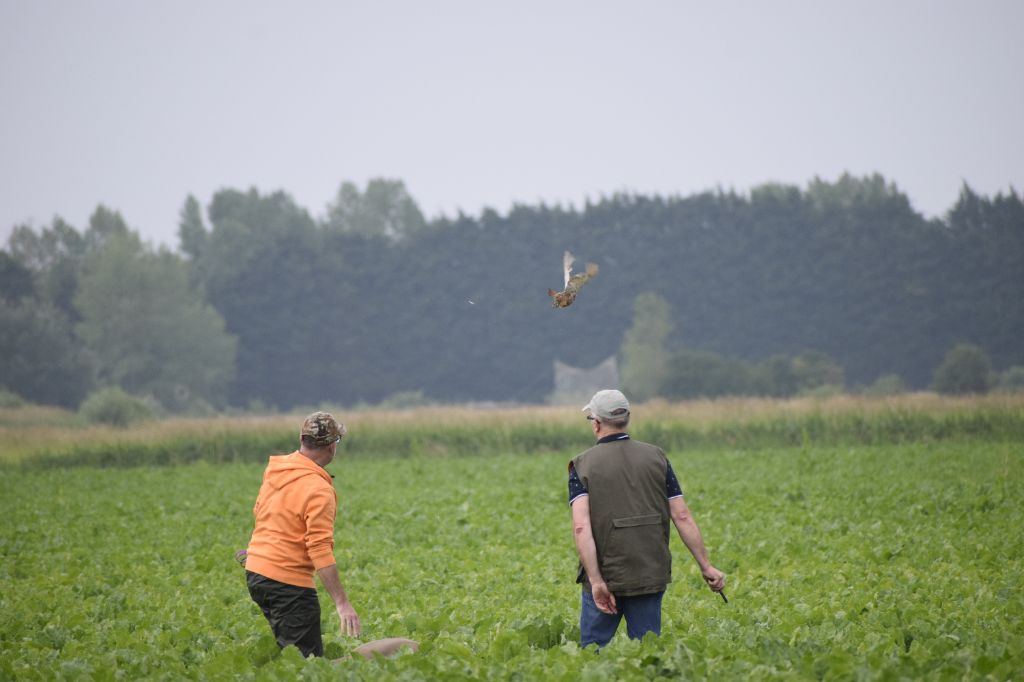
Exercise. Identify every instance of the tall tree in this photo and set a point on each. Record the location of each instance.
(151, 332)
(16, 280)
(104, 224)
(982, 276)
(265, 269)
(192, 234)
(385, 209)
(39, 359)
(645, 356)
(54, 255)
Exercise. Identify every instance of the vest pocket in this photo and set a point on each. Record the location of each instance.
(633, 521)
(636, 553)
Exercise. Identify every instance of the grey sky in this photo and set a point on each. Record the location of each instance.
(137, 104)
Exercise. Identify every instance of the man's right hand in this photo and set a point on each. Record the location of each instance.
(603, 598)
(350, 625)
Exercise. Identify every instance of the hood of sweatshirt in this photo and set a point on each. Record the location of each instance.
(285, 469)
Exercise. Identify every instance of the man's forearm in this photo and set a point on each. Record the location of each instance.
(583, 535)
(332, 583)
(689, 533)
(587, 550)
(346, 613)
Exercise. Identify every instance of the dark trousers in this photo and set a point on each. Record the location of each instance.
(293, 612)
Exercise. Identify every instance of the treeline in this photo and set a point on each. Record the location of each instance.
(266, 304)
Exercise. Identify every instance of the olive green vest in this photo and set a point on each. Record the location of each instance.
(629, 515)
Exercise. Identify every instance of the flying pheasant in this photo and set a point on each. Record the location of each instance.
(564, 298)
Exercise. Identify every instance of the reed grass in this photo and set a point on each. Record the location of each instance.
(47, 437)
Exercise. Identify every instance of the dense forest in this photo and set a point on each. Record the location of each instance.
(263, 303)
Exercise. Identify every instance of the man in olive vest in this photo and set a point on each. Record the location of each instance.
(623, 495)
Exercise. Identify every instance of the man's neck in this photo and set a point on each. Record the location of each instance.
(318, 456)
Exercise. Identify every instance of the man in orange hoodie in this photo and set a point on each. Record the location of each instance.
(294, 538)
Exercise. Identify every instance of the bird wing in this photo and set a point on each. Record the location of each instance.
(567, 261)
(581, 278)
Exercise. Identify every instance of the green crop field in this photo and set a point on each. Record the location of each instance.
(844, 562)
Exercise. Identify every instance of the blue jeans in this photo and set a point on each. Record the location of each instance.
(642, 612)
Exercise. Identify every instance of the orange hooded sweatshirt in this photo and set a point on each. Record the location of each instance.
(295, 510)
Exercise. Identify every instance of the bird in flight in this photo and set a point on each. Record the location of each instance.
(564, 298)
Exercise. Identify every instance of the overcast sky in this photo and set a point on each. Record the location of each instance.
(138, 104)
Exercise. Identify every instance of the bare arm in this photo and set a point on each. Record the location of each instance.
(346, 613)
(583, 534)
(689, 533)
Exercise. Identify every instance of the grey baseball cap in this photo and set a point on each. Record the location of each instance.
(608, 404)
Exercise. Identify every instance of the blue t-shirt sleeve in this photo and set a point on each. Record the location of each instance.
(576, 487)
(672, 488)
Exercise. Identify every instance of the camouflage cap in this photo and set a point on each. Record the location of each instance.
(323, 428)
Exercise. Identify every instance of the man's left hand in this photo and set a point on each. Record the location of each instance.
(714, 578)
(350, 625)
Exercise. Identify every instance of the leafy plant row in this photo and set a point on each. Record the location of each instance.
(882, 563)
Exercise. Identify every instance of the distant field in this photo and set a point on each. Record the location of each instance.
(844, 562)
(51, 437)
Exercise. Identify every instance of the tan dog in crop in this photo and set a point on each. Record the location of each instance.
(383, 647)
